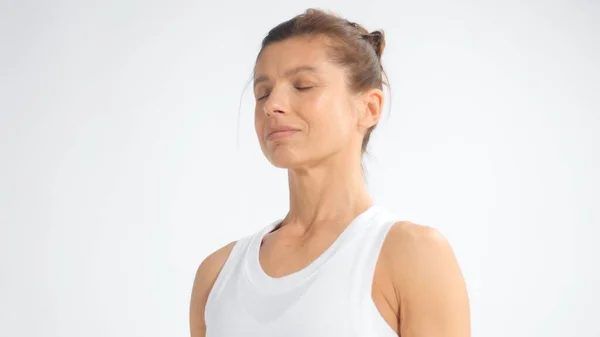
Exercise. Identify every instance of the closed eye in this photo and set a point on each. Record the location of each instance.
(297, 88)
(262, 97)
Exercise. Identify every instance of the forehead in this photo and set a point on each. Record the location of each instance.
(294, 52)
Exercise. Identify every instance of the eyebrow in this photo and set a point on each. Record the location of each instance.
(293, 71)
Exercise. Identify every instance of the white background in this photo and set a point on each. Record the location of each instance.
(122, 166)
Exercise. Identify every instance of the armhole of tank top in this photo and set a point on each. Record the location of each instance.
(222, 276)
(377, 318)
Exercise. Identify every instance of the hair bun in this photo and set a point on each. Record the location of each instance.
(377, 40)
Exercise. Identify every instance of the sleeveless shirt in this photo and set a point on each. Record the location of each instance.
(330, 297)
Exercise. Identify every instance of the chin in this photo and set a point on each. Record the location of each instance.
(285, 162)
(286, 159)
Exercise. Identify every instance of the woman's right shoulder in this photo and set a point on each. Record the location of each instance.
(205, 278)
(210, 268)
(212, 264)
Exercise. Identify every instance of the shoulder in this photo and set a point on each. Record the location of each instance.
(428, 282)
(413, 250)
(210, 267)
(213, 263)
(409, 237)
(206, 275)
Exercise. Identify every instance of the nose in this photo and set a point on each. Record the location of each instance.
(276, 103)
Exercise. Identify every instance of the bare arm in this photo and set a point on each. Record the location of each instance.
(429, 284)
(206, 275)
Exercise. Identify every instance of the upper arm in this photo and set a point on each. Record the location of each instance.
(206, 275)
(431, 290)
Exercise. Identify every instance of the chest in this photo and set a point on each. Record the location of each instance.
(280, 258)
(324, 306)
(340, 299)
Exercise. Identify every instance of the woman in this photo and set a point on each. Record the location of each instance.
(337, 264)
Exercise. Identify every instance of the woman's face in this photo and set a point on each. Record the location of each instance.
(305, 111)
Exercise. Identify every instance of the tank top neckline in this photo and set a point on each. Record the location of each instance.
(264, 282)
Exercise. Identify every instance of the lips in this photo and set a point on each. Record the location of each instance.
(281, 132)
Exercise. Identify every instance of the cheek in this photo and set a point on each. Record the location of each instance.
(258, 117)
(329, 117)
(259, 124)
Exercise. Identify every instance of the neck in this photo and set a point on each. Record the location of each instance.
(334, 191)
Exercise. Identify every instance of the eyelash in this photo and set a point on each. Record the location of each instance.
(297, 88)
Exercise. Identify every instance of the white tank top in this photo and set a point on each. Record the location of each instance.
(330, 297)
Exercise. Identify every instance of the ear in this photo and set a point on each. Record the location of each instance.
(372, 104)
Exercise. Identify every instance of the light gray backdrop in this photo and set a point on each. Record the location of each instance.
(120, 167)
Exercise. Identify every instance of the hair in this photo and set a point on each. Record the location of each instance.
(349, 44)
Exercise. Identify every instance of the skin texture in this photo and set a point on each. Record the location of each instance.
(417, 287)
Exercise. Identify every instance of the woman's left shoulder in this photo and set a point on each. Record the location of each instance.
(410, 235)
(410, 246)
(427, 280)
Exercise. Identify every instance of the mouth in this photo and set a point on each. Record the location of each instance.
(281, 133)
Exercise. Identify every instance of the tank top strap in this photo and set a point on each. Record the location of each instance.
(377, 234)
(371, 243)
(228, 270)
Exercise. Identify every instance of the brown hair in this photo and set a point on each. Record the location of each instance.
(350, 45)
